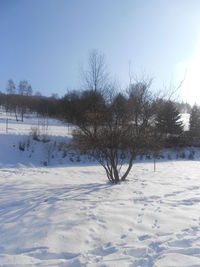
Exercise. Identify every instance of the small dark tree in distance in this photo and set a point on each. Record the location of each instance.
(195, 121)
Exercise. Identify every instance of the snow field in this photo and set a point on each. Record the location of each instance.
(72, 217)
(52, 126)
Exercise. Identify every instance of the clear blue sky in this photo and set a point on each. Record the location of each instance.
(47, 41)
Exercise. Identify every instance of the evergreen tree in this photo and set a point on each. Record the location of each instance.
(119, 107)
(195, 121)
(168, 119)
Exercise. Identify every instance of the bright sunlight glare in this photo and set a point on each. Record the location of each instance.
(191, 74)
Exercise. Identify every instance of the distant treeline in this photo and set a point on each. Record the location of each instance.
(21, 104)
(22, 101)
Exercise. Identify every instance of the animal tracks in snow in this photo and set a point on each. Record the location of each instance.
(155, 225)
(72, 217)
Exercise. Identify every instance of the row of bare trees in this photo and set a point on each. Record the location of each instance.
(19, 105)
(24, 88)
(16, 99)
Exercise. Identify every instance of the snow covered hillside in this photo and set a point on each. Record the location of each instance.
(54, 127)
(66, 214)
(18, 147)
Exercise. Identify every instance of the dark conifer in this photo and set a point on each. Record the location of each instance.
(168, 120)
(195, 121)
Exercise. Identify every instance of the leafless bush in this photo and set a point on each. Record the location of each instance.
(35, 133)
(114, 133)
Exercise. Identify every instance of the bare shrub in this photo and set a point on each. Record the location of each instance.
(115, 132)
(35, 133)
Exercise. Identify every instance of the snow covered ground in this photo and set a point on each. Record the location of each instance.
(52, 126)
(72, 217)
(67, 214)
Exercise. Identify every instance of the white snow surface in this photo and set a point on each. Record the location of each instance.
(71, 216)
(67, 214)
(54, 127)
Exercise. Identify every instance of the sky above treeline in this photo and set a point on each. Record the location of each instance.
(48, 42)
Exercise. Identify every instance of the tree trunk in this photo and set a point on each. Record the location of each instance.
(128, 169)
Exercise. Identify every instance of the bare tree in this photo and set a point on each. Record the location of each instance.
(96, 75)
(24, 90)
(29, 91)
(140, 101)
(11, 89)
(12, 101)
